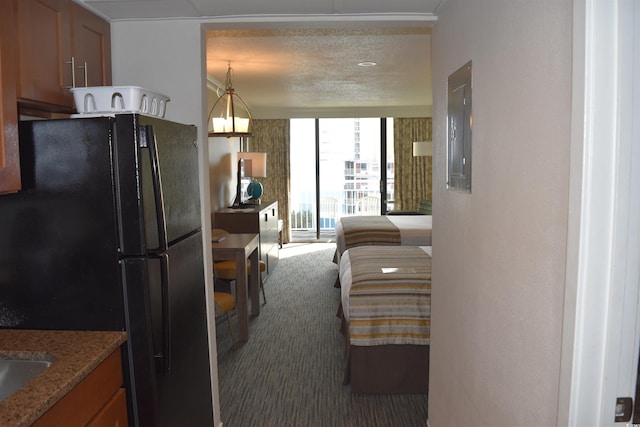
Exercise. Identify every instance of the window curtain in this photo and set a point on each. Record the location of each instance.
(272, 137)
(412, 175)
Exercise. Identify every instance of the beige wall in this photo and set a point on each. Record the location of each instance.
(166, 56)
(222, 166)
(222, 172)
(499, 253)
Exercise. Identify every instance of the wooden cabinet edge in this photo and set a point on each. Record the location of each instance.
(9, 152)
(88, 398)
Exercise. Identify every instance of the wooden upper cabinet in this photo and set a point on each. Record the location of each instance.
(9, 154)
(60, 43)
(44, 48)
(91, 47)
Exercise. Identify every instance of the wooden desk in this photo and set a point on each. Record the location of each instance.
(240, 247)
(261, 219)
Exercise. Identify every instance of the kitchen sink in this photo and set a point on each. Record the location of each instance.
(15, 373)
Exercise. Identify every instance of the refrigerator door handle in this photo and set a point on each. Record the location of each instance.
(157, 189)
(163, 359)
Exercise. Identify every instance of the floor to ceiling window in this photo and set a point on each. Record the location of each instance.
(337, 167)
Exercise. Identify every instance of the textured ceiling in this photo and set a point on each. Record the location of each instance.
(299, 58)
(315, 73)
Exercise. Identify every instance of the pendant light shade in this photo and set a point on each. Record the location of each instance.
(230, 116)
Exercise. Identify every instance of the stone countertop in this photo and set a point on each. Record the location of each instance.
(74, 355)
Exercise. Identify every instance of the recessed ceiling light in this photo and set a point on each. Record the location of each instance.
(367, 64)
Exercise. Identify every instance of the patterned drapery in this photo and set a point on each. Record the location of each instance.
(412, 174)
(272, 137)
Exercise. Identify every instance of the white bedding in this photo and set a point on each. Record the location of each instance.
(345, 278)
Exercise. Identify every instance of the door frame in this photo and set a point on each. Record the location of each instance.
(601, 310)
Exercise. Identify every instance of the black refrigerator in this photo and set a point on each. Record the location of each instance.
(106, 235)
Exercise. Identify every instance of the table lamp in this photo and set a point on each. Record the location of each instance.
(258, 170)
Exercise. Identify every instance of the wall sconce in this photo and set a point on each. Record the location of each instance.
(422, 148)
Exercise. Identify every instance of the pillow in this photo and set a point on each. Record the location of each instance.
(424, 207)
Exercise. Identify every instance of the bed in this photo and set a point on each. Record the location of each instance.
(385, 310)
(395, 230)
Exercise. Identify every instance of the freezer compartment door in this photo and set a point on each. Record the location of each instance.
(170, 182)
(158, 182)
(181, 347)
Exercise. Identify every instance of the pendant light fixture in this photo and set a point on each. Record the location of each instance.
(230, 116)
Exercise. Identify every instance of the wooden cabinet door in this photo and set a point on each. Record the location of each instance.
(44, 36)
(9, 156)
(81, 404)
(91, 47)
(114, 413)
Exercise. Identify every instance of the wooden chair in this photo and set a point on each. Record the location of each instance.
(225, 303)
(226, 270)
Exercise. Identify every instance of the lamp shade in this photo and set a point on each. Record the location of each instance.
(229, 125)
(422, 148)
(258, 163)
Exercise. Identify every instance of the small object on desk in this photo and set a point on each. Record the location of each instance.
(218, 235)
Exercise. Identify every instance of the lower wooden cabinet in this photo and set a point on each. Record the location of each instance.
(114, 413)
(98, 401)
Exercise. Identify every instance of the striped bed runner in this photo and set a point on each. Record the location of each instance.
(390, 297)
(369, 230)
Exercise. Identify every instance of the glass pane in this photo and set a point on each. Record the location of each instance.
(391, 162)
(303, 177)
(349, 168)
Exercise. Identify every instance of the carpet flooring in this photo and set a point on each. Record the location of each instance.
(290, 371)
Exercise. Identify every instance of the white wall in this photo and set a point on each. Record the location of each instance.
(168, 57)
(499, 253)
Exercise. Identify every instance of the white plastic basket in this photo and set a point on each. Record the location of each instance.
(119, 99)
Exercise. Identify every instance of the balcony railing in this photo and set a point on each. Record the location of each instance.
(303, 210)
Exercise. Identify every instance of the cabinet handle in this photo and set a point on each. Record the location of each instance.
(86, 69)
(73, 72)
(273, 212)
(266, 217)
